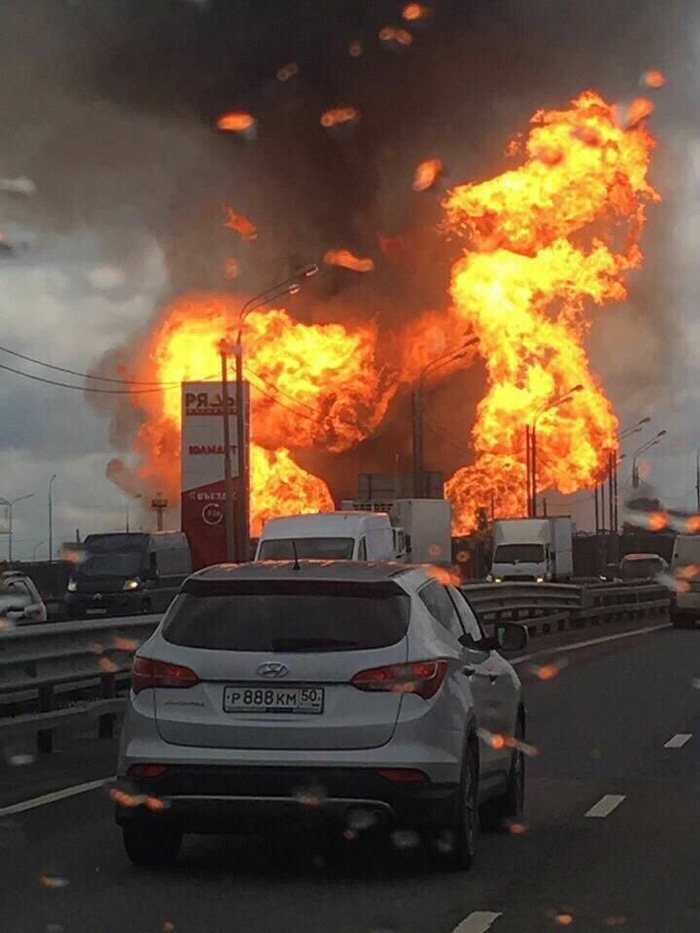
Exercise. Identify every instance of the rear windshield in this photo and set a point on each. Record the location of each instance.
(288, 616)
(310, 548)
(518, 554)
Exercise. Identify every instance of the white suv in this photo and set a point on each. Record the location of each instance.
(360, 694)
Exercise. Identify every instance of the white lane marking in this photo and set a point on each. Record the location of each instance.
(606, 805)
(53, 797)
(679, 740)
(477, 922)
(586, 644)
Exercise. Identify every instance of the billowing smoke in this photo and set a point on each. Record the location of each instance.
(114, 120)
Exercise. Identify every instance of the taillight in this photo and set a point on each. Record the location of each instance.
(422, 677)
(403, 775)
(146, 771)
(146, 672)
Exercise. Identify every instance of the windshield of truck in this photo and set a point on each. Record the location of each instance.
(641, 569)
(309, 548)
(518, 554)
(111, 565)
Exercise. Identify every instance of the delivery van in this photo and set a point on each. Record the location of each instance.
(328, 536)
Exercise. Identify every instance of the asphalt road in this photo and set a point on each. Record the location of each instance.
(601, 726)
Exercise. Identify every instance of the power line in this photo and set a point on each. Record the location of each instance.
(65, 385)
(73, 372)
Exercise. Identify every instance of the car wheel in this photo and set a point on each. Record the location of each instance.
(497, 813)
(151, 845)
(455, 846)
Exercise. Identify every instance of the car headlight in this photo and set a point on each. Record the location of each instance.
(72, 586)
(131, 584)
(540, 580)
(498, 579)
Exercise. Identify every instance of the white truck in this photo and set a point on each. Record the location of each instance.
(685, 566)
(532, 549)
(423, 527)
(328, 536)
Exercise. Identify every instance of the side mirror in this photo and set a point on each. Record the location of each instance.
(511, 636)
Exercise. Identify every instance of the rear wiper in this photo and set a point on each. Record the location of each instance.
(312, 644)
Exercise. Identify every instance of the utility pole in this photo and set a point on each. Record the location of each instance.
(159, 504)
(51, 482)
(528, 470)
(232, 549)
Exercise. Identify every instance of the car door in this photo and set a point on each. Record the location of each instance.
(480, 682)
(493, 679)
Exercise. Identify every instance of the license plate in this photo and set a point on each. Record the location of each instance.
(242, 698)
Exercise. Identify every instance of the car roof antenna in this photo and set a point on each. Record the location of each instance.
(297, 565)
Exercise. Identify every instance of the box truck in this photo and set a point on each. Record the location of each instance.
(532, 549)
(685, 606)
(424, 525)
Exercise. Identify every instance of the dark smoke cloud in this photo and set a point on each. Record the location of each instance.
(115, 116)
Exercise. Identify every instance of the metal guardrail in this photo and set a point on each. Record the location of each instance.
(39, 661)
(547, 607)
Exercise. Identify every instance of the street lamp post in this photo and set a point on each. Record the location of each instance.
(237, 523)
(51, 482)
(418, 403)
(531, 447)
(640, 450)
(10, 503)
(129, 500)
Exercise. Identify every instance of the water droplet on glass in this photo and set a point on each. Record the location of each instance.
(313, 796)
(444, 842)
(360, 819)
(405, 839)
(53, 881)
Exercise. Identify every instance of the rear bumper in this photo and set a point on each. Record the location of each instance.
(265, 799)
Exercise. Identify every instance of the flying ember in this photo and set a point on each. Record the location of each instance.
(348, 260)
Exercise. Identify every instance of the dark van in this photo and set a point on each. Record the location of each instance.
(128, 573)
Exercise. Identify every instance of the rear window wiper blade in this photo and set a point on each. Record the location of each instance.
(313, 644)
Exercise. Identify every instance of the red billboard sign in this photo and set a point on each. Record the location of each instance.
(203, 493)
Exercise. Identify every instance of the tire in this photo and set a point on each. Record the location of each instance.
(151, 845)
(497, 813)
(455, 848)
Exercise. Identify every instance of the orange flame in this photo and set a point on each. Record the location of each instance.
(546, 237)
(313, 386)
(348, 260)
(556, 233)
(240, 224)
(238, 121)
(338, 115)
(427, 174)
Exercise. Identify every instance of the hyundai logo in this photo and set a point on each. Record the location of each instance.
(273, 669)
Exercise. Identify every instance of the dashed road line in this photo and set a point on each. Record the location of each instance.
(477, 922)
(678, 740)
(53, 797)
(606, 805)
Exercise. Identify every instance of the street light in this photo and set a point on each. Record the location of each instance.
(129, 500)
(51, 482)
(10, 503)
(418, 400)
(635, 429)
(640, 450)
(531, 446)
(237, 544)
